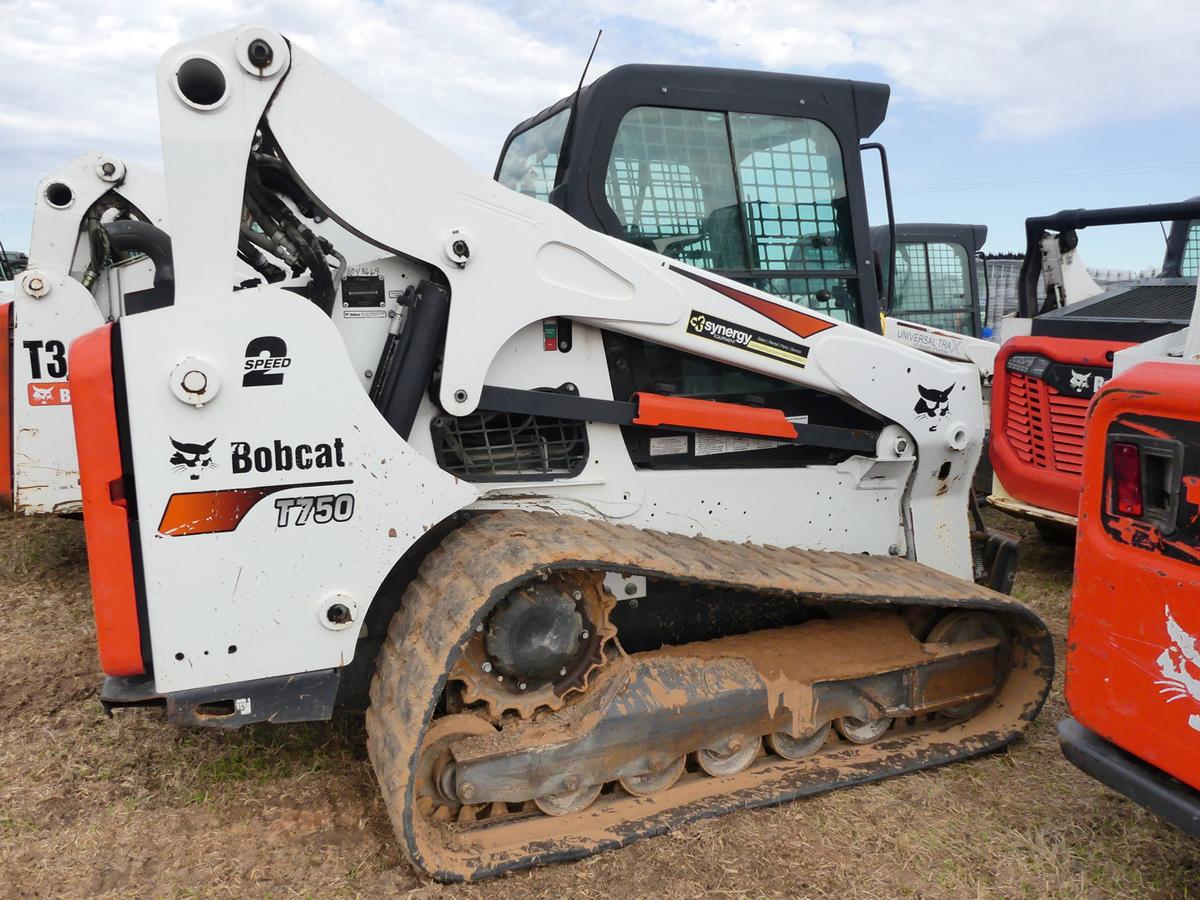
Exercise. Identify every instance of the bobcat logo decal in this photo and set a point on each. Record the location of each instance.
(1079, 381)
(196, 457)
(1180, 667)
(42, 394)
(933, 404)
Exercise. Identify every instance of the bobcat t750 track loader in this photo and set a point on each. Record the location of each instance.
(585, 612)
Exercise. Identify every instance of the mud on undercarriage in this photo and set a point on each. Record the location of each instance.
(912, 667)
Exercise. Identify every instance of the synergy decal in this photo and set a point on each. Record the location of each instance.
(1177, 663)
(193, 458)
(733, 335)
(281, 457)
(50, 393)
(266, 358)
(218, 512)
(933, 404)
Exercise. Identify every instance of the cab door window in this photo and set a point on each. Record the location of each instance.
(761, 199)
(1190, 265)
(670, 183)
(933, 286)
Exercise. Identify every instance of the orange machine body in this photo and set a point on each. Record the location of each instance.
(1040, 395)
(106, 508)
(1133, 648)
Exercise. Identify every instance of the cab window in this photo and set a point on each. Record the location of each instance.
(530, 164)
(1190, 265)
(933, 286)
(670, 182)
(761, 199)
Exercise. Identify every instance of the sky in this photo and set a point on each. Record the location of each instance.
(998, 112)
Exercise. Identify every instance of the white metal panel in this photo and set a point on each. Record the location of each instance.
(260, 587)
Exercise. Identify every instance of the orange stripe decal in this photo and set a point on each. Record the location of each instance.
(712, 415)
(217, 512)
(795, 321)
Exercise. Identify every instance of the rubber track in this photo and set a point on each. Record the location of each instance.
(481, 562)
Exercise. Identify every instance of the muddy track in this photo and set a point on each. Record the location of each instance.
(487, 558)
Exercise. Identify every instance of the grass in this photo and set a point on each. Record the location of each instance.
(131, 807)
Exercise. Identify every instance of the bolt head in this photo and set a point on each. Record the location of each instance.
(487, 667)
(35, 285)
(195, 382)
(562, 671)
(522, 686)
(577, 595)
(584, 635)
(571, 783)
(260, 53)
(466, 790)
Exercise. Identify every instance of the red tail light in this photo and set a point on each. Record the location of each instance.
(1127, 479)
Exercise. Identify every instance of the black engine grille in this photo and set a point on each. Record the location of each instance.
(1172, 302)
(500, 446)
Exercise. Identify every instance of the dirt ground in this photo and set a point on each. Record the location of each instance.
(134, 807)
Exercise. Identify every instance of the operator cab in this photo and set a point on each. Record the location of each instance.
(941, 278)
(752, 175)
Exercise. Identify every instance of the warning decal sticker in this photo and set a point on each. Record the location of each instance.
(723, 332)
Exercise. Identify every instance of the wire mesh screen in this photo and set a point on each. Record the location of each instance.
(670, 182)
(492, 446)
(1003, 279)
(792, 181)
(1190, 264)
(772, 219)
(933, 286)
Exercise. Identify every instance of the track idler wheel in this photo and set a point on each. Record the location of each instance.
(434, 786)
(862, 731)
(568, 802)
(960, 626)
(653, 782)
(783, 744)
(729, 757)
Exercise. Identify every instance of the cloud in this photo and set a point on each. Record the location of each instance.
(77, 76)
(1029, 69)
